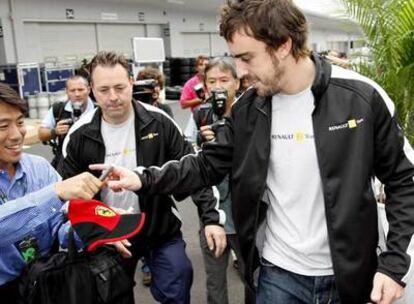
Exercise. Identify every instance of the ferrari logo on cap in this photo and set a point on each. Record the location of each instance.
(104, 211)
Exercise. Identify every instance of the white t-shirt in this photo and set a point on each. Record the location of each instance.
(296, 237)
(120, 146)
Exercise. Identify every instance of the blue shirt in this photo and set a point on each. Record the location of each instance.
(32, 210)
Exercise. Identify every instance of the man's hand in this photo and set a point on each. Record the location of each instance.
(82, 186)
(207, 133)
(121, 247)
(120, 178)
(216, 239)
(62, 127)
(385, 289)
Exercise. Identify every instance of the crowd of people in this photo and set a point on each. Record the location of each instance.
(279, 156)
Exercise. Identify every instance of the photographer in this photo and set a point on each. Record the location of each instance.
(148, 86)
(222, 84)
(193, 91)
(62, 115)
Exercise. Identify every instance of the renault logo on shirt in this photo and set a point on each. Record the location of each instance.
(350, 124)
(298, 136)
(149, 136)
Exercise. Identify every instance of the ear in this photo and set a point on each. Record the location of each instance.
(285, 49)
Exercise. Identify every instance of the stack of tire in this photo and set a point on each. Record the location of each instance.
(177, 71)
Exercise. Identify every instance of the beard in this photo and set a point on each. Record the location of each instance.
(270, 85)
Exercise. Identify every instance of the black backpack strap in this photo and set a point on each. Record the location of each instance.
(57, 109)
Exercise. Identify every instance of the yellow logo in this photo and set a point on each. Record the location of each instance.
(149, 136)
(299, 136)
(352, 123)
(125, 151)
(104, 211)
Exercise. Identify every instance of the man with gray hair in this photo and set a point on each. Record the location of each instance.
(62, 115)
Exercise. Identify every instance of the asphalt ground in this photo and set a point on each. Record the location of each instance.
(190, 230)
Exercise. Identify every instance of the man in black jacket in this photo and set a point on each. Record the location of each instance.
(126, 132)
(302, 147)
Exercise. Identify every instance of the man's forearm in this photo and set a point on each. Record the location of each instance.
(46, 134)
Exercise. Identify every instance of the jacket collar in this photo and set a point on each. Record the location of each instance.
(322, 76)
(319, 86)
(142, 119)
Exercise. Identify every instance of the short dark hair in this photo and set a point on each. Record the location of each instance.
(151, 73)
(108, 59)
(10, 96)
(271, 21)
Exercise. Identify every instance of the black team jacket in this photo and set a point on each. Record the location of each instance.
(357, 136)
(158, 140)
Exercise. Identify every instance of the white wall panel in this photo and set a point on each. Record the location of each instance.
(118, 37)
(154, 30)
(195, 44)
(218, 45)
(62, 41)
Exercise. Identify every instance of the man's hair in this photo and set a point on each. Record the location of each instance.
(151, 73)
(77, 77)
(225, 64)
(108, 59)
(269, 21)
(200, 59)
(10, 96)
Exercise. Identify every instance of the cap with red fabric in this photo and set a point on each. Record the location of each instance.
(96, 223)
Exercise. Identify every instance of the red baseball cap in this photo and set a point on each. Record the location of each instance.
(96, 223)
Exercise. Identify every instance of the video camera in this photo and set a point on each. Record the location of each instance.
(143, 90)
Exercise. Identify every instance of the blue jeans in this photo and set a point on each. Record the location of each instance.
(277, 285)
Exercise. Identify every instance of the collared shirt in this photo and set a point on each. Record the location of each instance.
(49, 120)
(32, 209)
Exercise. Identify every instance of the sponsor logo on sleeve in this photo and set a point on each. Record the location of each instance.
(350, 124)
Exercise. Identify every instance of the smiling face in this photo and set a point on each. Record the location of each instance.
(12, 132)
(264, 68)
(112, 88)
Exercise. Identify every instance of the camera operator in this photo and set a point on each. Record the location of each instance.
(148, 87)
(222, 84)
(62, 115)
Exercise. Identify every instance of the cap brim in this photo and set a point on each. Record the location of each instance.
(128, 226)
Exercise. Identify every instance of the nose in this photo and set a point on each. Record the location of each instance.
(241, 68)
(112, 95)
(15, 132)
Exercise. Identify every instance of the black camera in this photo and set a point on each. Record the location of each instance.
(218, 102)
(199, 90)
(143, 90)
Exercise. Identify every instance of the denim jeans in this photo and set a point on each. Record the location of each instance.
(277, 285)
